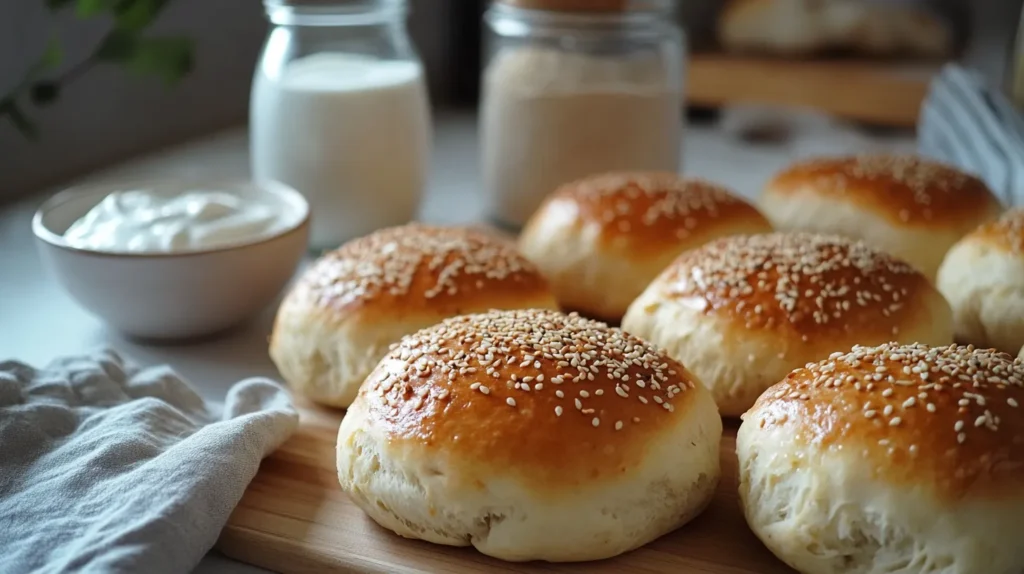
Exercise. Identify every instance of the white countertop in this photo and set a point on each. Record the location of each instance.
(38, 322)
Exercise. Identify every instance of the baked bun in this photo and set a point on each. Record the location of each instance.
(807, 27)
(910, 207)
(982, 277)
(353, 303)
(890, 459)
(601, 240)
(531, 435)
(741, 312)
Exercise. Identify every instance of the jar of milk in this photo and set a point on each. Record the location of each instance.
(573, 88)
(339, 111)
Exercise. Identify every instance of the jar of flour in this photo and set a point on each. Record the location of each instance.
(573, 88)
(339, 111)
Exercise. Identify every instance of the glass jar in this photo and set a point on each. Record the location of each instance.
(574, 88)
(339, 111)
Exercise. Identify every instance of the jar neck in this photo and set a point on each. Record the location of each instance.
(637, 18)
(342, 13)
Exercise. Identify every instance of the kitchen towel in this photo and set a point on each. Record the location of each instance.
(967, 123)
(106, 467)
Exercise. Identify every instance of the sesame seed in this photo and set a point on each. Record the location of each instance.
(958, 426)
(895, 421)
(386, 261)
(596, 422)
(733, 269)
(1012, 402)
(495, 345)
(618, 425)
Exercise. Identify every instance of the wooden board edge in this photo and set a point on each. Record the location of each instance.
(274, 553)
(870, 91)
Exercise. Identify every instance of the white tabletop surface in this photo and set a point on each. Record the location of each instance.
(38, 321)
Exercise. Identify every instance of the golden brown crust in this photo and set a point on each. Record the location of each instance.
(412, 267)
(904, 190)
(1007, 233)
(652, 210)
(801, 284)
(461, 387)
(947, 417)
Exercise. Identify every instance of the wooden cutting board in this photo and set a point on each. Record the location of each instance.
(871, 91)
(295, 519)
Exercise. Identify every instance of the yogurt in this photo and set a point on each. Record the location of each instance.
(145, 221)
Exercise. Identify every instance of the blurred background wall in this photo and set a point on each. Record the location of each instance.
(108, 115)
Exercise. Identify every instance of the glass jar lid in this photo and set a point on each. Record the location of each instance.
(332, 12)
(593, 6)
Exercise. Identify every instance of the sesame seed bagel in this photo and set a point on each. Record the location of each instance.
(601, 240)
(910, 207)
(530, 435)
(742, 311)
(982, 277)
(898, 458)
(353, 303)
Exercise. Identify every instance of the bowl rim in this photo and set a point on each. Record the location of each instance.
(46, 235)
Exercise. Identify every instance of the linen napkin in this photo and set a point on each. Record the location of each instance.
(106, 467)
(967, 123)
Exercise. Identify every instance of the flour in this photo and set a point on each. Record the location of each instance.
(549, 117)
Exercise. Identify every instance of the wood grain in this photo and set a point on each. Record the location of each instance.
(295, 519)
(875, 92)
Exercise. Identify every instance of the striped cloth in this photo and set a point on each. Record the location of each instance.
(967, 123)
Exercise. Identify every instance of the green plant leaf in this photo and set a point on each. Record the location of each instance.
(117, 46)
(18, 118)
(52, 55)
(44, 93)
(58, 4)
(89, 8)
(137, 14)
(169, 57)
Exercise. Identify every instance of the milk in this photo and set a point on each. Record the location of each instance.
(351, 133)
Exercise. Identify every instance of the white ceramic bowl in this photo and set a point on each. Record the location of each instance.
(171, 295)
